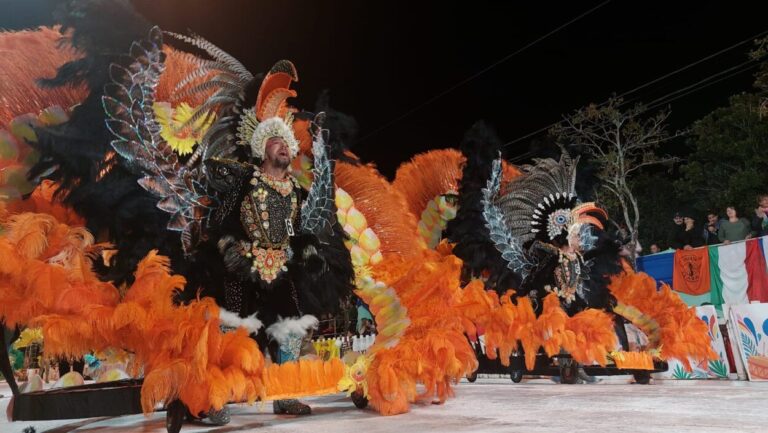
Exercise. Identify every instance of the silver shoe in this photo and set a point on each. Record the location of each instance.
(219, 417)
(290, 407)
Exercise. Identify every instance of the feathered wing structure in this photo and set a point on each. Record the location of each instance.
(510, 247)
(433, 349)
(468, 230)
(428, 175)
(28, 55)
(430, 184)
(77, 155)
(223, 82)
(318, 212)
(413, 291)
(128, 104)
(322, 268)
(380, 205)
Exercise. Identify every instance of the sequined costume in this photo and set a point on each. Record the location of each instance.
(255, 225)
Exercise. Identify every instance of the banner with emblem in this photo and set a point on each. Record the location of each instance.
(691, 271)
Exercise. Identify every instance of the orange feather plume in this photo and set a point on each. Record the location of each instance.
(27, 56)
(428, 175)
(275, 90)
(434, 173)
(682, 334)
(384, 209)
(433, 350)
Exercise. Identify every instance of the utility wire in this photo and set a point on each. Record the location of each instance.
(481, 72)
(654, 81)
(687, 90)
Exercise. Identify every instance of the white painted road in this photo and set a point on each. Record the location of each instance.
(492, 405)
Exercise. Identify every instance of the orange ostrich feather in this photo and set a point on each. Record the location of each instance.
(682, 334)
(42, 201)
(433, 350)
(434, 173)
(46, 280)
(26, 56)
(384, 209)
(588, 336)
(428, 175)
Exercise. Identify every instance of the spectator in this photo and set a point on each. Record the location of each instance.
(734, 228)
(676, 230)
(366, 327)
(712, 229)
(689, 237)
(363, 313)
(760, 220)
(655, 248)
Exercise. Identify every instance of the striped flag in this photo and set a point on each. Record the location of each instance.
(738, 273)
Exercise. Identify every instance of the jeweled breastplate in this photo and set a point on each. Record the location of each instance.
(569, 278)
(269, 214)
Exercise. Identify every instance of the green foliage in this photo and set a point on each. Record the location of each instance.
(729, 158)
(760, 52)
(658, 202)
(718, 368)
(680, 373)
(622, 142)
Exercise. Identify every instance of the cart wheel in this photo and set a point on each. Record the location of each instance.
(516, 375)
(642, 378)
(174, 416)
(359, 400)
(569, 371)
(472, 377)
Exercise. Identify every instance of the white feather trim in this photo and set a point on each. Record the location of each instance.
(232, 320)
(282, 330)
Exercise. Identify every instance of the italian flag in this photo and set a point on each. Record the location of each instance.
(738, 274)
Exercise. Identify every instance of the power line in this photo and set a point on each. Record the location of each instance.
(687, 90)
(481, 72)
(654, 81)
(705, 85)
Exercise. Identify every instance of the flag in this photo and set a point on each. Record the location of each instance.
(691, 272)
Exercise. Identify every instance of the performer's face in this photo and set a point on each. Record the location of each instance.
(276, 152)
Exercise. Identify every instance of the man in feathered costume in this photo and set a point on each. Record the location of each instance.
(274, 268)
(228, 213)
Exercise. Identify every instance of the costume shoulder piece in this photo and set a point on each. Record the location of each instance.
(318, 212)
(225, 175)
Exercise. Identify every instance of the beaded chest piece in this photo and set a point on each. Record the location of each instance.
(269, 214)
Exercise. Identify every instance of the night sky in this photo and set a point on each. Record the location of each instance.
(383, 59)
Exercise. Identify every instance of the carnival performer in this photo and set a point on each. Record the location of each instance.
(140, 186)
(273, 267)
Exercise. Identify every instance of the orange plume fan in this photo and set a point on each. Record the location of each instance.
(271, 100)
(428, 175)
(384, 209)
(26, 56)
(682, 334)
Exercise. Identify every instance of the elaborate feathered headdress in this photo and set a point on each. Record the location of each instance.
(542, 204)
(226, 80)
(271, 116)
